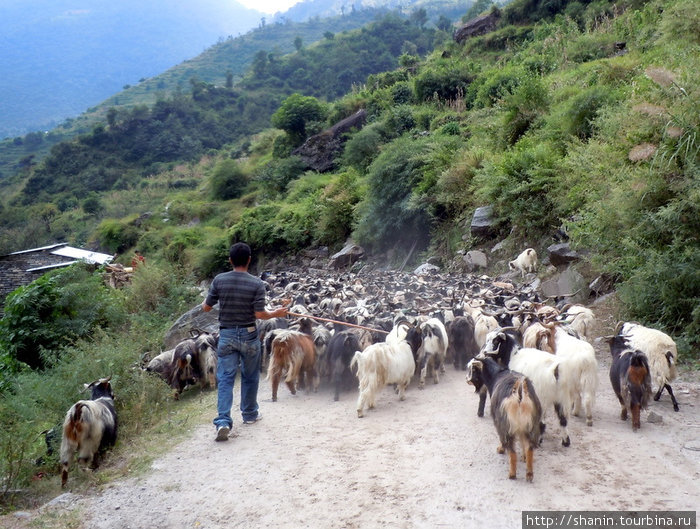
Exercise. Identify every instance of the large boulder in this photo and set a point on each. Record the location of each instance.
(347, 256)
(194, 319)
(569, 285)
(474, 260)
(320, 151)
(483, 223)
(477, 26)
(562, 254)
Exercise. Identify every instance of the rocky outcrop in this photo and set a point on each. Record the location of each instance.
(320, 151)
(483, 223)
(195, 320)
(562, 254)
(347, 256)
(477, 26)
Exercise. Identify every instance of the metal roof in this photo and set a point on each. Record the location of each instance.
(85, 255)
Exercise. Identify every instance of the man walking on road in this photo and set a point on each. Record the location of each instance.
(241, 299)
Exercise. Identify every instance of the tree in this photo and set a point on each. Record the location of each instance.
(419, 17)
(443, 23)
(295, 113)
(298, 43)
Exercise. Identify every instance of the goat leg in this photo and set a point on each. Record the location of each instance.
(513, 456)
(529, 461)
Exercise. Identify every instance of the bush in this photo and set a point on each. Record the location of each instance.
(387, 218)
(227, 180)
(527, 103)
(400, 120)
(576, 117)
(443, 83)
(277, 174)
(402, 93)
(665, 292)
(498, 84)
(363, 147)
(48, 314)
(521, 185)
(117, 235)
(337, 208)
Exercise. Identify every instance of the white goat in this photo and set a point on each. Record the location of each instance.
(385, 363)
(584, 371)
(579, 318)
(483, 323)
(661, 352)
(525, 262)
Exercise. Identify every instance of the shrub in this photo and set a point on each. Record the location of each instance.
(363, 147)
(48, 314)
(402, 93)
(337, 207)
(665, 292)
(498, 84)
(521, 186)
(443, 83)
(522, 108)
(386, 216)
(227, 180)
(117, 235)
(277, 174)
(400, 120)
(576, 117)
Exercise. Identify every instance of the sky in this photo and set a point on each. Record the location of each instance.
(269, 6)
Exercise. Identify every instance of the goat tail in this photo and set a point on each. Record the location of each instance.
(520, 407)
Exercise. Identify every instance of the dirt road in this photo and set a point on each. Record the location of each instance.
(423, 463)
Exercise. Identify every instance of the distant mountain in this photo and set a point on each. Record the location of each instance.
(61, 56)
(327, 8)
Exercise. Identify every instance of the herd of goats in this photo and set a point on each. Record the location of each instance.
(376, 328)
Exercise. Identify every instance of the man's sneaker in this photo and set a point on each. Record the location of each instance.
(222, 433)
(253, 421)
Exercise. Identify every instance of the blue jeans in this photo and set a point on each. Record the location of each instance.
(237, 349)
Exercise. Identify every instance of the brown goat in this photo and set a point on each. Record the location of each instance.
(293, 352)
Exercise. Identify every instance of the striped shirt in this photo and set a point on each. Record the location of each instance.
(239, 295)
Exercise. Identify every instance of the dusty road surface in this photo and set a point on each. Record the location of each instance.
(427, 462)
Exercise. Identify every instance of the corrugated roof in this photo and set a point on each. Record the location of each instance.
(85, 255)
(50, 267)
(39, 249)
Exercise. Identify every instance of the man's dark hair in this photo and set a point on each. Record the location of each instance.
(239, 254)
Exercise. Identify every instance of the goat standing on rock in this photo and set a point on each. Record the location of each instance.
(525, 262)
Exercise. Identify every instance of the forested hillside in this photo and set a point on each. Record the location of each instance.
(60, 57)
(225, 61)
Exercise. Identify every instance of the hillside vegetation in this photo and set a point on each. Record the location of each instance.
(575, 116)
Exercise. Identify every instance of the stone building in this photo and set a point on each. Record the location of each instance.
(21, 268)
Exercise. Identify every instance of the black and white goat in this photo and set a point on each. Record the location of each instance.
(515, 409)
(661, 352)
(432, 353)
(90, 427)
(630, 379)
